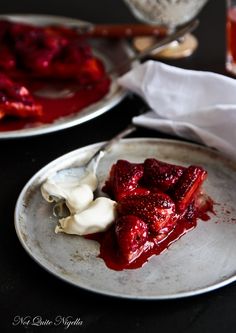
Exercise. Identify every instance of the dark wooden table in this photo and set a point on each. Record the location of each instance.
(26, 289)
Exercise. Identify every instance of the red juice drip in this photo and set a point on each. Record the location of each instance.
(109, 251)
(231, 33)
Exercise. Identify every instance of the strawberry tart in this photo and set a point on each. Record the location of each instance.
(157, 203)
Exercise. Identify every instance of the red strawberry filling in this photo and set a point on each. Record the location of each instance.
(157, 203)
(156, 209)
(161, 175)
(132, 235)
(16, 100)
(187, 185)
(47, 52)
(124, 180)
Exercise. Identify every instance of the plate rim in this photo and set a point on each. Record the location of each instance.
(60, 124)
(62, 277)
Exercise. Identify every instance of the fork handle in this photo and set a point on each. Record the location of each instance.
(94, 160)
(125, 30)
(128, 130)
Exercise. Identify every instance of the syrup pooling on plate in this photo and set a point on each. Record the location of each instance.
(151, 205)
(39, 57)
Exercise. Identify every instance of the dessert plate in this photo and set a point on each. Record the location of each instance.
(110, 52)
(187, 268)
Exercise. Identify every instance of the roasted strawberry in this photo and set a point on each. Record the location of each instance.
(187, 186)
(156, 209)
(87, 73)
(161, 175)
(131, 234)
(124, 180)
(76, 51)
(36, 47)
(7, 58)
(92, 70)
(15, 100)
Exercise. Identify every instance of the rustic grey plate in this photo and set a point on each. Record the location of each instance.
(202, 260)
(112, 53)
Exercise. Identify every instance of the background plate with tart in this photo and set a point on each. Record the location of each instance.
(64, 100)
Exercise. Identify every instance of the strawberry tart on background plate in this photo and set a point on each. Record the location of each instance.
(64, 74)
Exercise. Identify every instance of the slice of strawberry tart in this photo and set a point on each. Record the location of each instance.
(157, 203)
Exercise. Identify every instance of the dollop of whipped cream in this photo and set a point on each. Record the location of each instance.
(97, 217)
(86, 214)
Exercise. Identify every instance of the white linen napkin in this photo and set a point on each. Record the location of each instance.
(195, 105)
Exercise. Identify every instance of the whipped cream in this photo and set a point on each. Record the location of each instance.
(97, 217)
(77, 193)
(86, 214)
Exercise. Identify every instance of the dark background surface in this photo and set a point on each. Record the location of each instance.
(26, 289)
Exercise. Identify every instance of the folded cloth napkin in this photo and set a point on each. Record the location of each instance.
(196, 105)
